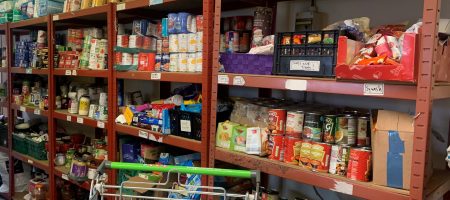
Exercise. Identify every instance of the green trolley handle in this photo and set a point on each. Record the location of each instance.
(181, 169)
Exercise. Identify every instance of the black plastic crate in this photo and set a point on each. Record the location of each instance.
(306, 53)
(185, 124)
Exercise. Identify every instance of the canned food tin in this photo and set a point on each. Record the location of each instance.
(132, 42)
(127, 59)
(159, 46)
(173, 43)
(92, 110)
(135, 59)
(346, 130)
(291, 149)
(191, 62)
(102, 113)
(294, 123)
(165, 45)
(305, 151)
(158, 58)
(117, 58)
(277, 121)
(329, 128)
(339, 159)
(360, 164)
(122, 40)
(182, 62)
(276, 147)
(165, 62)
(198, 62)
(320, 156)
(363, 132)
(173, 62)
(192, 43)
(312, 129)
(183, 42)
(199, 41)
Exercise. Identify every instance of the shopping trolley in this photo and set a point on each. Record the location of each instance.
(100, 189)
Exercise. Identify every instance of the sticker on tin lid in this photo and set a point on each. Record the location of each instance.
(120, 6)
(155, 76)
(55, 17)
(68, 118)
(74, 72)
(100, 124)
(143, 134)
(68, 72)
(65, 177)
(223, 79)
(304, 65)
(298, 85)
(343, 187)
(28, 71)
(37, 112)
(30, 161)
(374, 89)
(185, 125)
(22, 108)
(238, 80)
(156, 138)
(155, 2)
(80, 120)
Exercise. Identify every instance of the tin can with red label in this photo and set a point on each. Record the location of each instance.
(118, 58)
(277, 120)
(363, 132)
(292, 149)
(320, 156)
(276, 146)
(305, 151)
(339, 159)
(360, 164)
(294, 123)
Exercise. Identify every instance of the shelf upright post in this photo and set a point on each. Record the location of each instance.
(51, 107)
(112, 90)
(9, 48)
(424, 101)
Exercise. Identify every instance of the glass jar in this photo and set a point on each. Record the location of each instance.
(69, 156)
(39, 192)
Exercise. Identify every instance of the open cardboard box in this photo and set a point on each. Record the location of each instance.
(146, 183)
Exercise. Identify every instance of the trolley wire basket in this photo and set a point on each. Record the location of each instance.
(99, 189)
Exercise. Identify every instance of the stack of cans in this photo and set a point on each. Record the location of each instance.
(97, 56)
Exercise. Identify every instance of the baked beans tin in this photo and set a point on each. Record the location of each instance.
(292, 149)
(183, 42)
(277, 121)
(122, 40)
(339, 159)
(294, 123)
(127, 59)
(305, 151)
(346, 130)
(118, 58)
(173, 62)
(199, 41)
(329, 128)
(360, 164)
(192, 42)
(173, 43)
(312, 129)
(191, 62)
(276, 146)
(182, 62)
(320, 156)
(363, 132)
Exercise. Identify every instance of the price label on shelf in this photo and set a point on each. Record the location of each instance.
(155, 76)
(22, 108)
(343, 187)
(28, 71)
(156, 138)
(238, 80)
(65, 177)
(37, 112)
(55, 17)
(68, 118)
(143, 134)
(155, 2)
(100, 124)
(74, 72)
(80, 120)
(68, 72)
(298, 85)
(30, 161)
(374, 89)
(223, 79)
(120, 6)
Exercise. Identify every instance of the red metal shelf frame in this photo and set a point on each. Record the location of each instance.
(83, 120)
(63, 173)
(40, 21)
(162, 76)
(41, 164)
(21, 70)
(30, 109)
(81, 72)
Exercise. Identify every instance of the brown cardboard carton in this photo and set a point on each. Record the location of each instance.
(392, 144)
(443, 61)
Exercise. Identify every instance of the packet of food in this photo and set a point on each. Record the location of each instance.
(238, 138)
(224, 133)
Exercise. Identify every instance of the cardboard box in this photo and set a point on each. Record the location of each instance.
(392, 146)
(443, 61)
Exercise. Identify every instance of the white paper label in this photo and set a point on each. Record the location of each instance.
(37, 112)
(185, 125)
(68, 118)
(299, 85)
(343, 187)
(238, 80)
(65, 177)
(80, 120)
(100, 124)
(55, 17)
(155, 76)
(120, 6)
(154, 2)
(30, 161)
(28, 71)
(68, 72)
(376, 89)
(22, 108)
(305, 65)
(74, 72)
(143, 134)
(152, 137)
(223, 79)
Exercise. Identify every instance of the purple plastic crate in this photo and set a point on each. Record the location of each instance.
(241, 63)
